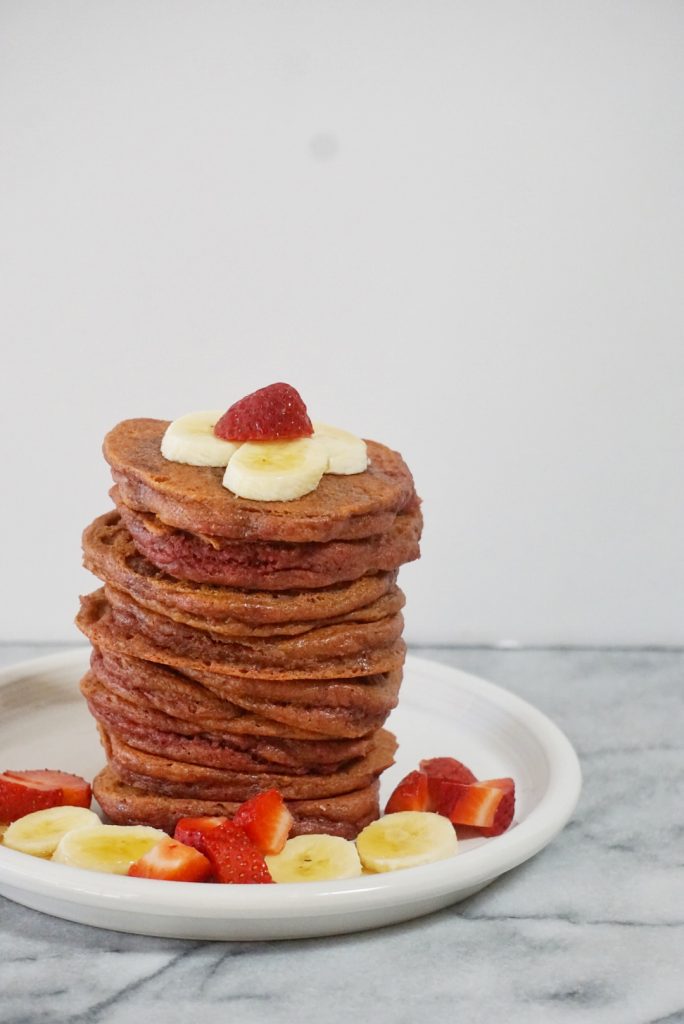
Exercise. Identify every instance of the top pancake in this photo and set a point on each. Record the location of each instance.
(193, 498)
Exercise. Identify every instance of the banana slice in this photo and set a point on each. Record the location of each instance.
(276, 470)
(405, 840)
(40, 832)
(314, 858)
(346, 453)
(111, 848)
(191, 439)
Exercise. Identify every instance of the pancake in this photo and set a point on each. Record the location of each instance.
(109, 552)
(343, 815)
(193, 497)
(169, 777)
(114, 630)
(154, 732)
(318, 643)
(271, 565)
(312, 710)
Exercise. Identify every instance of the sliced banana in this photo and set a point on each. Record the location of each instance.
(314, 858)
(405, 840)
(346, 452)
(111, 848)
(191, 439)
(276, 470)
(40, 832)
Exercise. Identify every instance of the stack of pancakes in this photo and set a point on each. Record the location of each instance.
(241, 645)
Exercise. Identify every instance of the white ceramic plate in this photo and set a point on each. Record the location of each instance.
(44, 723)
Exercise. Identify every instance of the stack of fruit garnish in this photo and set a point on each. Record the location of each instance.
(47, 815)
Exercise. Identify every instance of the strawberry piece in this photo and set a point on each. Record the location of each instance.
(274, 413)
(192, 831)
(172, 861)
(234, 857)
(447, 768)
(505, 810)
(76, 791)
(443, 794)
(266, 820)
(473, 804)
(21, 796)
(476, 804)
(410, 795)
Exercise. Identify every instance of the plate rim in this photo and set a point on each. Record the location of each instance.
(139, 896)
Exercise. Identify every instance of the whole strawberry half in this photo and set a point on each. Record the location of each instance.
(273, 413)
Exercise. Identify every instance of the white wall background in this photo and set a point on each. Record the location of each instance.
(455, 227)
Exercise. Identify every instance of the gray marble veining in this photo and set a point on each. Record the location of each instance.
(591, 930)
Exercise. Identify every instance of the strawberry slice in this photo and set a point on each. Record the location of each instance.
(505, 810)
(274, 413)
(447, 768)
(266, 820)
(192, 831)
(487, 805)
(76, 791)
(172, 861)
(410, 795)
(234, 857)
(466, 804)
(20, 797)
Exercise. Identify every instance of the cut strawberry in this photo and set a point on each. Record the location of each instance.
(466, 805)
(410, 795)
(233, 855)
(19, 797)
(274, 413)
(447, 768)
(443, 794)
(76, 791)
(476, 804)
(505, 810)
(172, 861)
(266, 820)
(192, 831)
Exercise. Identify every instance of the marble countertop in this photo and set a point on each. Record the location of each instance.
(590, 930)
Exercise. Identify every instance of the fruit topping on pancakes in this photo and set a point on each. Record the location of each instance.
(273, 413)
(269, 445)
